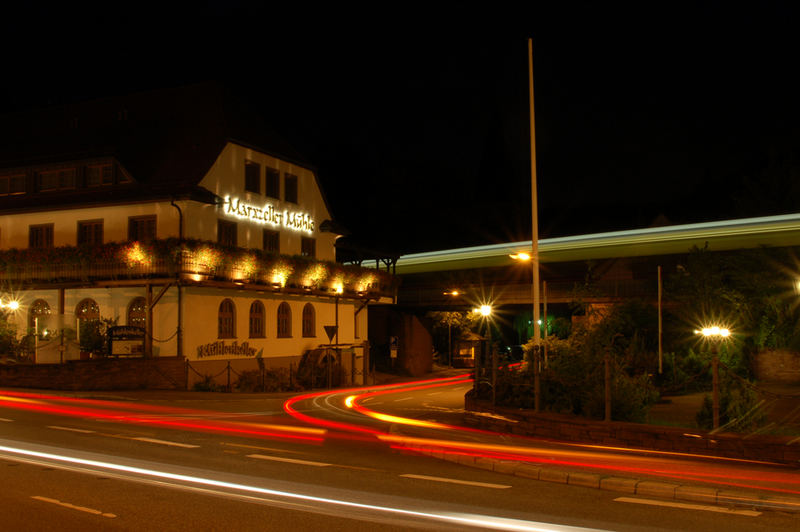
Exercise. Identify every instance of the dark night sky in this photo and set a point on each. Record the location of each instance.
(417, 119)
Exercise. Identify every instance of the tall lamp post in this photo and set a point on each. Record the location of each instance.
(451, 293)
(715, 335)
(534, 235)
(486, 314)
(536, 321)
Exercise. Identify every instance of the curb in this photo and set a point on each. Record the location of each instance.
(627, 485)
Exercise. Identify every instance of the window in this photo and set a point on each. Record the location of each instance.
(284, 320)
(273, 183)
(290, 188)
(309, 321)
(308, 247)
(40, 236)
(227, 233)
(252, 177)
(137, 312)
(257, 320)
(90, 232)
(99, 174)
(272, 241)
(12, 184)
(141, 228)
(227, 319)
(50, 180)
(41, 310)
(87, 310)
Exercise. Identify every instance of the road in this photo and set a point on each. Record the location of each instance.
(426, 415)
(211, 462)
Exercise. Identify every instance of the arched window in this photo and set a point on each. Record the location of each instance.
(257, 320)
(284, 320)
(87, 310)
(309, 321)
(41, 310)
(227, 319)
(137, 312)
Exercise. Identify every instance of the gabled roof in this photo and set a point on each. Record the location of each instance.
(166, 140)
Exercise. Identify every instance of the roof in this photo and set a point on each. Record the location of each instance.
(774, 231)
(166, 140)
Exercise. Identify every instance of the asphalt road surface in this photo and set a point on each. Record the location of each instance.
(211, 462)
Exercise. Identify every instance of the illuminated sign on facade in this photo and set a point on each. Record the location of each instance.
(269, 215)
(219, 348)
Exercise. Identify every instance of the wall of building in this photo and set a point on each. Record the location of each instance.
(113, 304)
(415, 344)
(202, 308)
(14, 227)
(226, 179)
(201, 312)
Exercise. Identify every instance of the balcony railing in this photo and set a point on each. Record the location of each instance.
(190, 261)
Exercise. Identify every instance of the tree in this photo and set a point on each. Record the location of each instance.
(449, 327)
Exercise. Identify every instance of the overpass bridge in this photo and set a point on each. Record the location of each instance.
(621, 264)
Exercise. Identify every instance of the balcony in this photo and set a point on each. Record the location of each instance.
(190, 261)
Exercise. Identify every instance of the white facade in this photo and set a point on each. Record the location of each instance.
(200, 303)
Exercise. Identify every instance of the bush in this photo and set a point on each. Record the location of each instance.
(738, 407)
(208, 384)
(573, 382)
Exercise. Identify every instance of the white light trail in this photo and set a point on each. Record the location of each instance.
(496, 523)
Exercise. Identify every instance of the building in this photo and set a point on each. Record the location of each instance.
(176, 214)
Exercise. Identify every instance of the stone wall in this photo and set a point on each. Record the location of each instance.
(783, 449)
(160, 373)
(778, 365)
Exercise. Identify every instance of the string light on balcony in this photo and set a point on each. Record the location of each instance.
(135, 255)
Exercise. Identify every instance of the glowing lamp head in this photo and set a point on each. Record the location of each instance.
(485, 310)
(13, 305)
(714, 332)
(521, 256)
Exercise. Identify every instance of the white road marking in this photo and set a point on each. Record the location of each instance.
(434, 393)
(457, 481)
(6, 420)
(687, 506)
(403, 399)
(70, 429)
(243, 446)
(73, 507)
(164, 442)
(288, 460)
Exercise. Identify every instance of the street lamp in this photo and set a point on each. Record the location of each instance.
(11, 305)
(714, 335)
